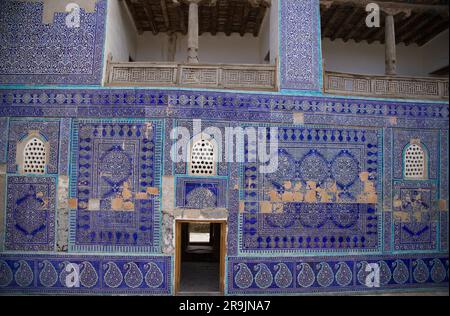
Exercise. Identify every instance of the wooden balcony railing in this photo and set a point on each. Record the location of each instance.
(264, 78)
(386, 86)
(239, 77)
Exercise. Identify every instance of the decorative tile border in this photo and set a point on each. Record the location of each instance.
(301, 58)
(3, 138)
(220, 106)
(52, 274)
(64, 144)
(337, 274)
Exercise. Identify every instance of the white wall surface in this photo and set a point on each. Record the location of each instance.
(123, 41)
(364, 58)
(212, 49)
(121, 33)
(274, 31)
(437, 52)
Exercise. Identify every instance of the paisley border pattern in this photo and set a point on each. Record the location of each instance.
(48, 274)
(335, 274)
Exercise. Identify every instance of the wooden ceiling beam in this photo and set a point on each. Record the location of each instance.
(437, 9)
(151, 19)
(345, 23)
(329, 22)
(182, 22)
(378, 36)
(423, 33)
(367, 34)
(214, 19)
(245, 18)
(228, 16)
(132, 10)
(259, 19)
(438, 29)
(417, 30)
(355, 29)
(165, 15)
(405, 28)
(229, 25)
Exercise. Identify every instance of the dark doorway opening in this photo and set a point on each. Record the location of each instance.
(200, 258)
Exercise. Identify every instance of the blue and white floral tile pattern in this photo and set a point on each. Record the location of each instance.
(66, 125)
(102, 103)
(444, 232)
(310, 145)
(201, 193)
(387, 169)
(334, 274)
(3, 138)
(51, 274)
(313, 160)
(116, 162)
(300, 41)
(53, 53)
(443, 171)
(30, 215)
(416, 219)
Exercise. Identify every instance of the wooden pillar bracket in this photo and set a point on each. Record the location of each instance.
(396, 11)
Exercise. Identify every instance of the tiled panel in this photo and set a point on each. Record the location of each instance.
(50, 53)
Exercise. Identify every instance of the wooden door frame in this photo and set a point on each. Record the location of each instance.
(223, 251)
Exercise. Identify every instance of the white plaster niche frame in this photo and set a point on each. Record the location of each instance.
(415, 161)
(202, 156)
(32, 154)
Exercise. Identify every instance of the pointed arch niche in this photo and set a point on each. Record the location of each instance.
(32, 154)
(203, 156)
(415, 161)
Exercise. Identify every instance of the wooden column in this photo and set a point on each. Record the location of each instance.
(172, 47)
(193, 32)
(390, 48)
(390, 42)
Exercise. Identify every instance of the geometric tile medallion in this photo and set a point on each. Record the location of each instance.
(30, 217)
(201, 193)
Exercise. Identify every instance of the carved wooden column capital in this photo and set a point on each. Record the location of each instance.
(395, 11)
